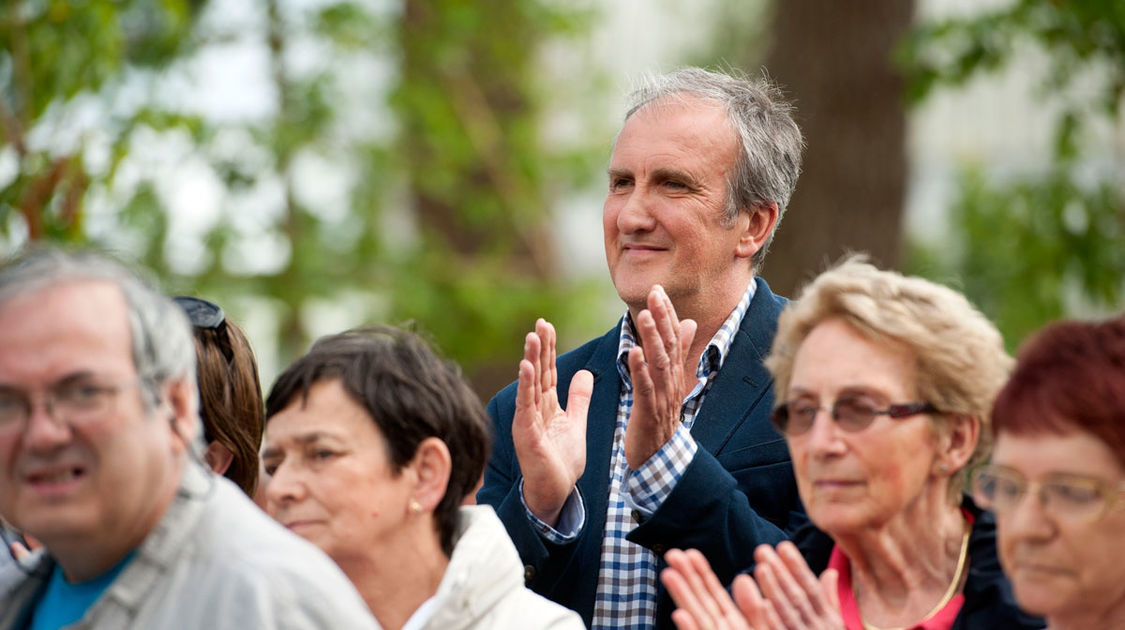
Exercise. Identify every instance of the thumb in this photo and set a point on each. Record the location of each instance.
(578, 399)
(642, 380)
(687, 335)
(829, 583)
(18, 551)
(750, 601)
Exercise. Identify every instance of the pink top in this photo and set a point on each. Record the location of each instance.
(849, 608)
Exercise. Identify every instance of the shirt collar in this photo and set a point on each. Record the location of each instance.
(713, 355)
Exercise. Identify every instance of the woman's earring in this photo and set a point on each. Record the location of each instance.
(415, 506)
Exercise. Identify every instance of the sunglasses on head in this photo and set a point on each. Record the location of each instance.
(206, 315)
(200, 312)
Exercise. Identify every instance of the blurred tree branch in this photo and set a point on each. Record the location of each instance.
(462, 161)
(1047, 244)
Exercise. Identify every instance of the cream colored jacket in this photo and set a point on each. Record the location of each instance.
(483, 585)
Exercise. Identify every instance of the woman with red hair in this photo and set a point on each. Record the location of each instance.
(1057, 478)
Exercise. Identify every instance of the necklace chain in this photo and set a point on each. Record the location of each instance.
(949, 592)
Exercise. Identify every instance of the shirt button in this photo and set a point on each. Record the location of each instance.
(636, 515)
(528, 573)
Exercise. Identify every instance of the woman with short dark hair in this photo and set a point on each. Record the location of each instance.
(372, 445)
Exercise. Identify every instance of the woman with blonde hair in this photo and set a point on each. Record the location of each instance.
(884, 385)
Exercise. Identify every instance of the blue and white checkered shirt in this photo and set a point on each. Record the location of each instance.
(626, 594)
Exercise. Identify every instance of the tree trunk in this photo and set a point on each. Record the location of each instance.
(834, 60)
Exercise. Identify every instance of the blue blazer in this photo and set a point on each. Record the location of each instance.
(737, 493)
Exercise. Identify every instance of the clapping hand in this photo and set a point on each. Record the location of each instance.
(702, 602)
(550, 442)
(790, 598)
(657, 370)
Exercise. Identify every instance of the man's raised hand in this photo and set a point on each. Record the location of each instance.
(657, 371)
(550, 442)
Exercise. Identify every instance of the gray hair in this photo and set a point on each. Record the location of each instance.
(163, 349)
(770, 142)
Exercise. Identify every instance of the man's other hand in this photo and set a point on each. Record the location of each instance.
(657, 370)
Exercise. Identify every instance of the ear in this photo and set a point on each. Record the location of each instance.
(218, 457)
(183, 401)
(757, 225)
(956, 444)
(432, 465)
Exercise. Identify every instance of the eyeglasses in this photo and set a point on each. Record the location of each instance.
(72, 403)
(851, 413)
(1066, 497)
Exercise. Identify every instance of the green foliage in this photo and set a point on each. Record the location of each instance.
(1033, 251)
(1077, 34)
(1043, 245)
(469, 102)
(58, 58)
(462, 160)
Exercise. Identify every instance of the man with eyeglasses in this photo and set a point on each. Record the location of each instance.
(98, 426)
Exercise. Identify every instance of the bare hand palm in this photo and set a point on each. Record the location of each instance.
(550, 442)
(658, 377)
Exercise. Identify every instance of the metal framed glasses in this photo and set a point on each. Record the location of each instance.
(1067, 497)
(851, 413)
(74, 403)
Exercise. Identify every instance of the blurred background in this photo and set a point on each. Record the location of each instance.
(314, 165)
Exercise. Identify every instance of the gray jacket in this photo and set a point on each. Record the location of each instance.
(214, 561)
(483, 588)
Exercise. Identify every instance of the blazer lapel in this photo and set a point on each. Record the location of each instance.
(743, 382)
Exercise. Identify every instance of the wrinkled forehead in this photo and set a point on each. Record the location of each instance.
(678, 100)
(681, 104)
(68, 327)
